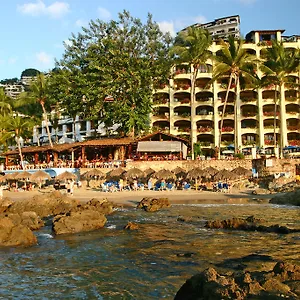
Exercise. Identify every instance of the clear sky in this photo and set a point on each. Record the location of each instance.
(33, 31)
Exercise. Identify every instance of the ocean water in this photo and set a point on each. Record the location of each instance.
(150, 263)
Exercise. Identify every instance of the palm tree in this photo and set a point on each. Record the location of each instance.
(191, 47)
(279, 62)
(18, 127)
(233, 60)
(37, 94)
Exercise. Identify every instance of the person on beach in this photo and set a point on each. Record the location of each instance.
(150, 184)
(121, 184)
(135, 185)
(1, 192)
(71, 187)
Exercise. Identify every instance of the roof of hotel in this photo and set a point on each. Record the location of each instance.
(266, 31)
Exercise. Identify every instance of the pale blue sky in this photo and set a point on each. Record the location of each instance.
(33, 31)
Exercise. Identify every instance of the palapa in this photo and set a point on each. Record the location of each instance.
(198, 173)
(225, 175)
(211, 171)
(164, 174)
(66, 176)
(242, 171)
(134, 173)
(23, 176)
(40, 176)
(94, 173)
(149, 172)
(116, 173)
(180, 172)
(11, 176)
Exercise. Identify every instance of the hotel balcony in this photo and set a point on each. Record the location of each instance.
(205, 71)
(182, 85)
(222, 96)
(162, 88)
(249, 130)
(161, 125)
(161, 102)
(182, 126)
(182, 112)
(182, 71)
(248, 96)
(182, 99)
(202, 84)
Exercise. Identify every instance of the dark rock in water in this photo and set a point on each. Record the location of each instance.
(80, 221)
(292, 198)
(248, 224)
(211, 285)
(14, 233)
(184, 219)
(188, 254)
(131, 226)
(153, 204)
(101, 205)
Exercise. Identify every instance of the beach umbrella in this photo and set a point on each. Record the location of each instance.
(164, 174)
(241, 171)
(11, 176)
(197, 173)
(225, 175)
(40, 176)
(134, 173)
(66, 176)
(148, 172)
(115, 174)
(179, 172)
(2, 178)
(23, 176)
(211, 171)
(93, 174)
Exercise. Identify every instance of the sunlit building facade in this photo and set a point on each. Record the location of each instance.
(199, 121)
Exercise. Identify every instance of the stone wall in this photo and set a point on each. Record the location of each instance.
(189, 164)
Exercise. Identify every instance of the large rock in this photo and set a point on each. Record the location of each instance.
(13, 233)
(248, 224)
(5, 203)
(101, 205)
(153, 204)
(79, 221)
(211, 285)
(292, 198)
(45, 205)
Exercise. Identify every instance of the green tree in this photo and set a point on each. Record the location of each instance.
(30, 72)
(29, 102)
(192, 47)
(233, 61)
(18, 128)
(122, 59)
(278, 63)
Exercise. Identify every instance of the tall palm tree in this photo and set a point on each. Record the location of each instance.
(37, 93)
(192, 47)
(278, 63)
(233, 60)
(18, 127)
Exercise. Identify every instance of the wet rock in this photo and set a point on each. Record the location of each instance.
(13, 233)
(131, 226)
(153, 204)
(184, 219)
(187, 254)
(210, 285)
(5, 203)
(292, 198)
(45, 205)
(79, 221)
(101, 205)
(248, 224)
(260, 191)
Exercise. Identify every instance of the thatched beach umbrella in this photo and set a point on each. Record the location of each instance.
(164, 174)
(93, 174)
(23, 176)
(211, 171)
(134, 173)
(2, 178)
(197, 173)
(148, 172)
(66, 176)
(115, 174)
(39, 177)
(225, 175)
(180, 172)
(11, 176)
(240, 171)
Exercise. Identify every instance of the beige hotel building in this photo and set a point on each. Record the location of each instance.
(199, 121)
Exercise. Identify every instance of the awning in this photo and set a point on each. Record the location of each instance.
(162, 146)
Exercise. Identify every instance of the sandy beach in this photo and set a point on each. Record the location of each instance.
(132, 197)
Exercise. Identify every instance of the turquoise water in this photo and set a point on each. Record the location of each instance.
(151, 263)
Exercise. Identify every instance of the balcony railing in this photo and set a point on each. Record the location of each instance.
(269, 142)
(248, 99)
(293, 128)
(182, 86)
(204, 129)
(270, 113)
(227, 129)
(294, 142)
(160, 101)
